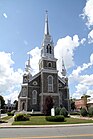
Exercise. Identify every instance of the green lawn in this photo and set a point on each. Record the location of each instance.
(40, 120)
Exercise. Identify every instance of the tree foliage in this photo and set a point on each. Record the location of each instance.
(64, 112)
(72, 102)
(16, 104)
(83, 112)
(2, 102)
(90, 111)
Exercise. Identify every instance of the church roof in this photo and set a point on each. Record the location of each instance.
(35, 76)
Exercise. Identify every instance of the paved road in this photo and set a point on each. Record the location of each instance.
(77, 132)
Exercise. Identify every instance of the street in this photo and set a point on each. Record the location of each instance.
(71, 132)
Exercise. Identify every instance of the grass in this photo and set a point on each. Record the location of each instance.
(40, 120)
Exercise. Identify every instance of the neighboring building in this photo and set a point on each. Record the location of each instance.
(90, 103)
(82, 103)
(9, 106)
(36, 88)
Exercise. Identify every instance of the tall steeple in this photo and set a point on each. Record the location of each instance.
(47, 49)
(46, 24)
(63, 68)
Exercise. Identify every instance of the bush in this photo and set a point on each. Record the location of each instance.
(21, 117)
(74, 113)
(37, 114)
(55, 118)
(10, 114)
(83, 112)
(57, 111)
(63, 112)
(90, 111)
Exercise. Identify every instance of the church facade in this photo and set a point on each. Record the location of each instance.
(46, 82)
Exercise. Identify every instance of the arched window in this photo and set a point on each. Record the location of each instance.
(48, 48)
(50, 83)
(23, 106)
(34, 97)
(49, 64)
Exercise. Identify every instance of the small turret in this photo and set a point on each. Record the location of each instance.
(63, 69)
(27, 74)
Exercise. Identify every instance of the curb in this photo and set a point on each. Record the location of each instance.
(47, 126)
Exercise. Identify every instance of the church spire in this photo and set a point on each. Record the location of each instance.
(47, 49)
(46, 24)
(63, 68)
(28, 67)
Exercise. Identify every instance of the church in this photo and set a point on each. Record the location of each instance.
(35, 89)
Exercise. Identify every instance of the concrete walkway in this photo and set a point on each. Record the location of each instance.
(81, 117)
(9, 123)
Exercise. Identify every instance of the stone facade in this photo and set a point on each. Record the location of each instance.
(36, 88)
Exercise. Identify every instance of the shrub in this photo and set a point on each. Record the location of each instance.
(83, 112)
(63, 112)
(55, 118)
(21, 117)
(37, 114)
(90, 111)
(74, 113)
(57, 111)
(10, 114)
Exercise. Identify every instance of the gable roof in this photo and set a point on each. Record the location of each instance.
(35, 76)
(61, 80)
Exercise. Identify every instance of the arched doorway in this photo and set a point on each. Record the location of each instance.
(23, 106)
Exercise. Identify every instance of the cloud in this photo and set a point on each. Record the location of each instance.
(5, 15)
(84, 81)
(91, 59)
(88, 13)
(65, 48)
(10, 79)
(90, 93)
(34, 60)
(90, 37)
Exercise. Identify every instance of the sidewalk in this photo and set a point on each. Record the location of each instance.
(9, 123)
(81, 117)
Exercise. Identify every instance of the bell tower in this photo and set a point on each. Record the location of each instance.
(47, 60)
(48, 68)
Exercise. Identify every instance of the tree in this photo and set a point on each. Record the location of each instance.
(90, 111)
(48, 105)
(72, 103)
(83, 112)
(2, 102)
(16, 104)
(64, 112)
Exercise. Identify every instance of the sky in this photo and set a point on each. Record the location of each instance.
(22, 31)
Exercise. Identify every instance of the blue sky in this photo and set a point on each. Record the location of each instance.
(22, 30)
